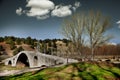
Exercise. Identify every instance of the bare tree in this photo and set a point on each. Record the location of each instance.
(96, 26)
(73, 29)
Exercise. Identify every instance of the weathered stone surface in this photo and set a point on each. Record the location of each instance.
(35, 59)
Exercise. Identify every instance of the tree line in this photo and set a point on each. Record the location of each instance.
(49, 46)
(46, 46)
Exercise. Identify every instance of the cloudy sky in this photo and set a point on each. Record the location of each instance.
(42, 19)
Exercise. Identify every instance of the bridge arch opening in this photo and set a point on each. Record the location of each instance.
(22, 60)
(9, 62)
(35, 60)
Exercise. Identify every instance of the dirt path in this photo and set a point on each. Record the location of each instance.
(16, 72)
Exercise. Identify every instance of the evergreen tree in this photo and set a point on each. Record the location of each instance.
(1, 39)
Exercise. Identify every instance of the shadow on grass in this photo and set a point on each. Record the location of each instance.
(85, 71)
(86, 76)
(116, 73)
(8, 77)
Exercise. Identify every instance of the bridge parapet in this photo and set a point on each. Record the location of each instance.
(35, 59)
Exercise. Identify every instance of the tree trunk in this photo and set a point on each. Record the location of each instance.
(92, 53)
(67, 60)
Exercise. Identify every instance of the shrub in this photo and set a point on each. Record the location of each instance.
(17, 50)
(1, 48)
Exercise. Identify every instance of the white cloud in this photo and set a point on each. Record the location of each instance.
(118, 23)
(37, 12)
(41, 9)
(19, 11)
(43, 4)
(62, 11)
(76, 5)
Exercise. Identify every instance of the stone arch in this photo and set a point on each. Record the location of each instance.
(23, 60)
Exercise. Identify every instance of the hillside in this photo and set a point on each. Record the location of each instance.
(9, 52)
(10, 45)
(75, 71)
(7, 48)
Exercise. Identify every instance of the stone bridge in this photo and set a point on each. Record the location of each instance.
(35, 59)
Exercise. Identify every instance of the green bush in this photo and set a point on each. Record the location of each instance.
(18, 41)
(1, 39)
(1, 48)
(12, 46)
(17, 50)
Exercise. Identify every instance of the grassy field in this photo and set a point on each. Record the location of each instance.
(76, 71)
